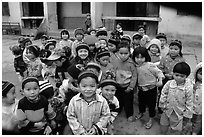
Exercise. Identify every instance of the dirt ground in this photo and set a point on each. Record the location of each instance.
(192, 50)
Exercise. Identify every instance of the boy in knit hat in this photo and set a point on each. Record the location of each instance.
(164, 46)
(91, 41)
(79, 35)
(145, 38)
(88, 113)
(154, 50)
(136, 40)
(108, 89)
(9, 107)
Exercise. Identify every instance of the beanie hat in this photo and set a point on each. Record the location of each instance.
(102, 52)
(156, 42)
(137, 36)
(78, 31)
(182, 68)
(35, 49)
(113, 41)
(93, 65)
(141, 26)
(178, 43)
(82, 46)
(87, 73)
(29, 79)
(48, 44)
(90, 40)
(161, 35)
(46, 89)
(26, 40)
(126, 37)
(6, 87)
(101, 33)
(109, 80)
(44, 36)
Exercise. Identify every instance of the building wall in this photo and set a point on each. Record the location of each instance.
(177, 24)
(15, 13)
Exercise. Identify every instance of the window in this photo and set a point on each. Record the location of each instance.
(5, 9)
(85, 7)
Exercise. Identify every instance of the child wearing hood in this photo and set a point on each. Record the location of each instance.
(154, 50)
(197, 101)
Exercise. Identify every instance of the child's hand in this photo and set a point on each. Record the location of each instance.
(40, 124)
(53, 124)
(159, 83)
(92, 131)
(128, 89)
(48, 130)
(169, 76)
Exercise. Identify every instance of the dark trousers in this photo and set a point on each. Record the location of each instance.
(125, 100)
(147, 99)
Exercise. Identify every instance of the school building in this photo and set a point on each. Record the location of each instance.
(53, 16)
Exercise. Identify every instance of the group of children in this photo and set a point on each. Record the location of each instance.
(79, 85)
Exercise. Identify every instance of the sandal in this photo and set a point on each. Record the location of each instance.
(148, 125)
(139, 116)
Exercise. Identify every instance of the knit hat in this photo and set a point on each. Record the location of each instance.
(156, 42)
(140, 26)
(6, 87)
(102, 52)
(137, 36)
(113, 41)
(93, 65)
(109, 80)
(49, 43)
(44, 36)
(82, 46)
(101, 33)
(56, 54)
(87, 73)
(46, 89)
(29, 79)
(26, 40)
(90, 40)
(178, 43)
(35, 49)
(161, 35)
(126, 37)
(78, 31)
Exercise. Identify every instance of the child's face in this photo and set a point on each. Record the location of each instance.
(88, 87)
(174, 50)
(93, 33)
(136, 41)
(83, 53)
(179, 78)
(43, 41)
(109, 91)
(119, 28)
(111, 47)
(51, 47)
(28, 43)
(139, 59)
(163, 41)
(123, 53)
(29, 54)
(199, 75)
(91, 47)
(31, 91)
(154, 49)
(104, 60)
(79, 37)
(102, 43)
(65, 36)
(10, 97)
(59, 62)
(141, 31)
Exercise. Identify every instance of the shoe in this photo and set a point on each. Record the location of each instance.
(140, 115)
(131, 119)
(148, 125)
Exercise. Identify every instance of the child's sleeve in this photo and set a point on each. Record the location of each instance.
(114, 112)
(103, 121)
(50, 112)
(156, 71)
(134, 77)
(161, 64)
(74, 124)
(188, 112)
(164, 96)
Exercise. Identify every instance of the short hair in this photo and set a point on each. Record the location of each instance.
(182, 68)
(144, 53)
(16, 50)
(123, 44)
(35, 49)
(64, 31)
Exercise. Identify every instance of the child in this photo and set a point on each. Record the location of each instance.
(145, 39)
(19, 64)
(176, 100)
(88, 22)
(102, 33)
(164, 46)
(103, 58)
(136, 40)
(50, 45)
(126, 38)
(102, 43)
(109, 87)
(112, 47)
(25, 43)
(88, 113)
(65, 42)
(43, 39)
(126, 76)
(118, 32)
(34, 66)
(34, 113)
(91, 40)
(9, 107)
(174, 56)
(149, 78)
(92, 32)
(154, 50)
(197, 101)
(79, 35)
(96, 68)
